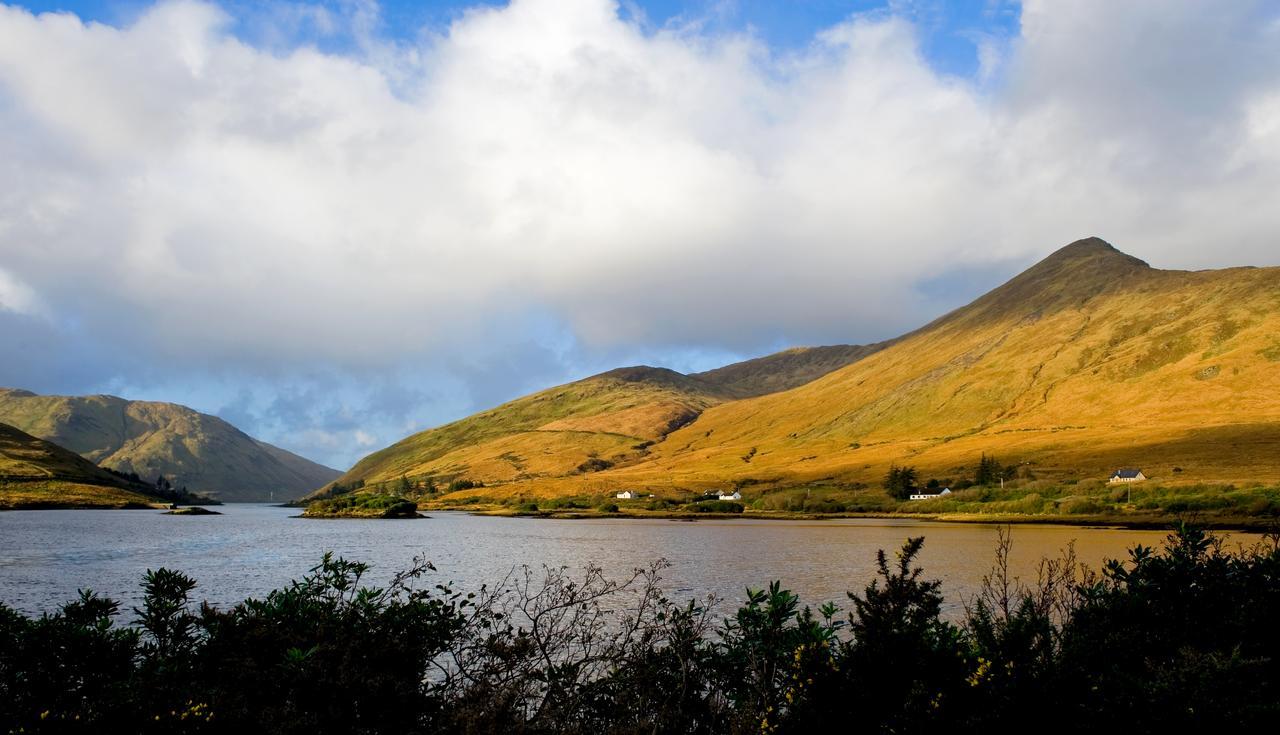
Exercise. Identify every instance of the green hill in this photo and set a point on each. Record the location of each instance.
(201, 452)
(37, 474)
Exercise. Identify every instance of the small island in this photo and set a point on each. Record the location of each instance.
(193, 510)
(363, 506)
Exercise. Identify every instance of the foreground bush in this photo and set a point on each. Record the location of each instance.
(1167, 640)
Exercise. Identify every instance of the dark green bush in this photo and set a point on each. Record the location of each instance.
(715, 506)
(1181, 639)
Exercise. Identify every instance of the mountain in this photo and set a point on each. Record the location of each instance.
(595, 424)
(201, 452)
(1087, 361)
(37, 474)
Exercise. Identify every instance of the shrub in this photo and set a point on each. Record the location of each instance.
(594, 464)
(715, 506)
(1171, 640)
(1080, 505)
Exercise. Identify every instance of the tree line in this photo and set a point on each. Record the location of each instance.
(902, 481)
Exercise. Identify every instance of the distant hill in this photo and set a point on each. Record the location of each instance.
(37, 474)
(201, 452)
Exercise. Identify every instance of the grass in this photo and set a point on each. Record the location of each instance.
(58, 494)
(1080, 503)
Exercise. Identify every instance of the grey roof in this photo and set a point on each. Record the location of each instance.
(1127, 472)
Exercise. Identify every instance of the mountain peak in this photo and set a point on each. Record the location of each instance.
(1090, 248)
(642, 374)
(1068, 277)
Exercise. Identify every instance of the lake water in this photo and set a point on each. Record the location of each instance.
(45, 556)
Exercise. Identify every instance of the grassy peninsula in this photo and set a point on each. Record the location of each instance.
(39, 475)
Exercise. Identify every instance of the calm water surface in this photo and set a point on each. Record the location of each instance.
(45, 556)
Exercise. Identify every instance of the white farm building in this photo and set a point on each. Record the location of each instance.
(1127, 474)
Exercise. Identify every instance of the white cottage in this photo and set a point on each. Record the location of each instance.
(627, 495)
(735, 495)
(927, 496)
(1127, 474)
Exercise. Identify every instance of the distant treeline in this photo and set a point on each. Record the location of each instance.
(163, 489)
(1172, 640)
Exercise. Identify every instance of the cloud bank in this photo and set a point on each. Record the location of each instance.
(367, 241)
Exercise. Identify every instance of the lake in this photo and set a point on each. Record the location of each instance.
(45, 556)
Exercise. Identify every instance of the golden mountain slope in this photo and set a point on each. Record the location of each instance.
(202, 452)
(549, 434)
(37, 474)
(579, 429)
(1087, 361)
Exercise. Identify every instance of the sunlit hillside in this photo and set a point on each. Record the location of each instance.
(586, 428)
(35, 473)
(1085, 362)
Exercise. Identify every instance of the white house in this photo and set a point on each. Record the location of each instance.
(735, 495)
(1127, 474)
(927, 496)
(627, 495)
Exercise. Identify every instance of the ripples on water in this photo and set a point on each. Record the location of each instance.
(45, 556)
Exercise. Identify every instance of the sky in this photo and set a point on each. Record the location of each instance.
(337, 223)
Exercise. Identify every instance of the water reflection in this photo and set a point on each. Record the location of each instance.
(45, 556)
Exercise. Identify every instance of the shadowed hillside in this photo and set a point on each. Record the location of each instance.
(191, 449)
(35, 473)
(784, 370)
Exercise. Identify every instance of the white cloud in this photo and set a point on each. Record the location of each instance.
(170, 187)
(17, 297)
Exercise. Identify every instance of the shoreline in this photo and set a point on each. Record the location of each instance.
(1150, 523)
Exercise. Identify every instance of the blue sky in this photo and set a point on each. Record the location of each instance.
(948, 29)
(338, 223)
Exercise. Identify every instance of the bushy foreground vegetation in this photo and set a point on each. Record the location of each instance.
(1167, 640)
